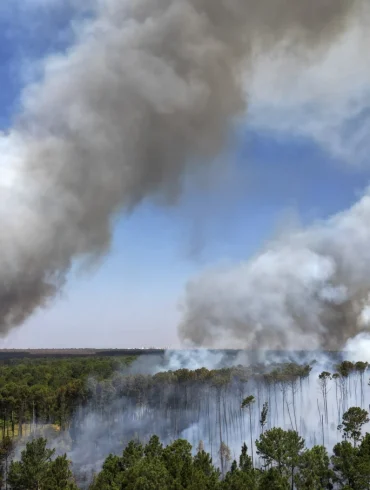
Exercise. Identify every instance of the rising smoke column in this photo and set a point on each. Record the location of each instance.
(148, 89)
(308, 289)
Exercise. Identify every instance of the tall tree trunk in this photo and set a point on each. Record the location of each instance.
(250, 429)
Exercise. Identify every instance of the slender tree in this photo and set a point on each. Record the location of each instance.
(248, 404)
(324, 378)
(225, 457)
(263, 418)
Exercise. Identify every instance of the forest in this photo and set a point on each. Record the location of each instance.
(305, 424)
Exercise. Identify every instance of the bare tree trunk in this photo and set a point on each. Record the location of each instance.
(250, 428)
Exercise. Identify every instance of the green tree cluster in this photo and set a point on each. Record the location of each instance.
(37, 470)
(48, 391)
(285, 463)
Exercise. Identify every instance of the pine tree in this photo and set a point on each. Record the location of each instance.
(352, 423)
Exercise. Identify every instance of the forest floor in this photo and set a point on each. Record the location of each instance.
(28, 430)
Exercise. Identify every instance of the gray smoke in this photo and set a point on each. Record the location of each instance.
(308, 289)
(148, 90)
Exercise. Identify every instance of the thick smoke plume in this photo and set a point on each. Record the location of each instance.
(308, 289)
(148, 89)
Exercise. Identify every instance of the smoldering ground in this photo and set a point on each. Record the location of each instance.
(147, 91)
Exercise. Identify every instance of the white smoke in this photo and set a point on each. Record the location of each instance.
(359, 347)
(307, 290)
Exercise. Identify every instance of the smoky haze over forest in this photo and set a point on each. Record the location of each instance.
(147, 91)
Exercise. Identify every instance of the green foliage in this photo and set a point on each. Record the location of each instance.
(133, 452)
(352, 423)
(272, 479)
(244, 476)
(314, 471)
(280, 448)
(59, 475)
(352, 464)
(36, 469)
(155, 467)
(31, 470)
(49, 389)
(362, 463)
(247, 402)
(147, 474)
(245, 461)
(361, 366)
(344, 464)
(345, 368)
(204, 468)
(239, 480)
(264, 413)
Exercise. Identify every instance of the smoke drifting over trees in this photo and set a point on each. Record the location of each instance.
(100, 404)
(147, 90)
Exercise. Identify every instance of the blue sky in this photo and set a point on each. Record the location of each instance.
(132, 298)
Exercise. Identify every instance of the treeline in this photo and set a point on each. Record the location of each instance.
(283, 463)
(49, 391)
(206, 404)
(64, 391)
(6, 354)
